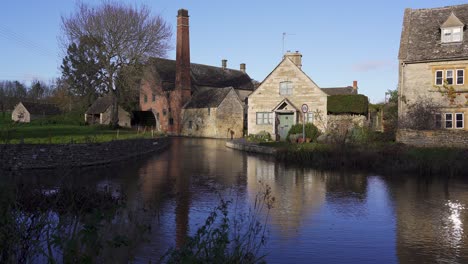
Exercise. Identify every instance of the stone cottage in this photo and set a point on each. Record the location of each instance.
(182, 94)
(26, 112)
(276, 104)
(433, 61)
(100, 113)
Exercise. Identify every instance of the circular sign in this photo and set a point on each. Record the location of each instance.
(305, 108)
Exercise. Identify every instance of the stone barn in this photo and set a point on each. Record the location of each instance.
(171, 90)
(100, 113)
(26, 112)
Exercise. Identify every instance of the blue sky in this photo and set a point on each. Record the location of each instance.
(340, 41)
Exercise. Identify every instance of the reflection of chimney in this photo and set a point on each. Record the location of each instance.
(242, 67)
(224, 64)
(295, 57)
(355, 87)
(182, 80)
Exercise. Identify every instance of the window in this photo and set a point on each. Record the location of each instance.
(145, 98)
(310, 117)
(439, 80)
(448, 120)
(190, 124)
(153, 97)
(164, 112)
(438, 121)
(264, 118)
(460, 77)
(171, 121)
(453, 34)
(449, 76)
(285, 88)
(459, 120)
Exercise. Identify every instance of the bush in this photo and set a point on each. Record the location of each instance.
(348, 104)
(261, 136)
(311, 131)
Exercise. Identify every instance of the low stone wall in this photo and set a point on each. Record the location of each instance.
(433, 138)
(244, 145)
(49, 156)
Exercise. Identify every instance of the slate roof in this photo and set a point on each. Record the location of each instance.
(421, 34)
(339, 90)
(208, 97)
(202, 75)
(100, 105)
(41, 109)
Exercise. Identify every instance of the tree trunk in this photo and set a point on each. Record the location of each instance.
(115, 105)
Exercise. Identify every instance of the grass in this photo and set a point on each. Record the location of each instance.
(61, 130)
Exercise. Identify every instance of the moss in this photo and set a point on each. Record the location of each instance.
(348, 104)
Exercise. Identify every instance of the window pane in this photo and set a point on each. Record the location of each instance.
(439, 77)
(460, 76)
(448, 121)
(449, 77)
(459, 120)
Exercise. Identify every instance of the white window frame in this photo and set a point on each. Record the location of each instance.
(310, 117)
(448, 35)
(463, 79)
(448, 120)
(462, 120)
(446, 76)
(287, 90)
(264, 118)
(441, 78)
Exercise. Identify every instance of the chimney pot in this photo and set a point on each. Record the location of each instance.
(182, 13)
(224, 64)
(242, 67)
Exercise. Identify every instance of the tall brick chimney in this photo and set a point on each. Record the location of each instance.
(355, 86)
(182, 81)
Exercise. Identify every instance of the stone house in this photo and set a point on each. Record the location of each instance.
(100, 113)
(180, 93)
(26, 112)
(433, 54)
(276, 104)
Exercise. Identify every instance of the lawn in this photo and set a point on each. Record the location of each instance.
(60, 130)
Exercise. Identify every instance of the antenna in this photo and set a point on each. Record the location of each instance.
(284, 38)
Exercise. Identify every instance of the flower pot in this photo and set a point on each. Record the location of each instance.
(300, 140)
(308, 140)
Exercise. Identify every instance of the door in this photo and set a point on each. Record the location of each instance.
(286, 121)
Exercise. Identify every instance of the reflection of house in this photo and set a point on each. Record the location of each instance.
(180, 94)
(100, 113)
(28, 111)
(434, 50)
(276, 104)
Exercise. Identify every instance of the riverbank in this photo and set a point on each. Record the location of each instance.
(389, 158)
(50, 156)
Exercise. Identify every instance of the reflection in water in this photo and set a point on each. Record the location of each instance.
(318, 217)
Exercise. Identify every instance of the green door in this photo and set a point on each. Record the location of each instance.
(285, 123)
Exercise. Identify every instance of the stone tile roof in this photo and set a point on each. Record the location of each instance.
(421, 34)
(202, 75)
(41, 108)
(100, 105)
(208, 97)
(339, 90)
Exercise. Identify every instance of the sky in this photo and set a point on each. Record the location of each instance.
(340, 41)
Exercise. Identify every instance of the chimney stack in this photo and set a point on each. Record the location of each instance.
(224, 64)
(295, 57)
(242, 67)
(182, 81)
(355, 86)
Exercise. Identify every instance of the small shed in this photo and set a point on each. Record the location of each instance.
(25, 112)
(100, 113)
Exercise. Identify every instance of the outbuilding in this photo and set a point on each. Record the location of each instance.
(26, 112)
(100, 113)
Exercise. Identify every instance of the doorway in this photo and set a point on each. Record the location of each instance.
(286, 121)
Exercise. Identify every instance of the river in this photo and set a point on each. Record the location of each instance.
(317, 217)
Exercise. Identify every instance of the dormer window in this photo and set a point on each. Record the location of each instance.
(452, 29)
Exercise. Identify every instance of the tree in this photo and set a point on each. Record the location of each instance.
(124, 37)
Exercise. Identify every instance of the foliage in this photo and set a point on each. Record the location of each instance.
(261, 136)
(347, 104)
(311, 131)
(420, 115)
(237, 239)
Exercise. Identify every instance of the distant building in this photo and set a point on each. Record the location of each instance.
(100, 113)
(342, 90)
(26, 112)
(192, 99)
(434, 51)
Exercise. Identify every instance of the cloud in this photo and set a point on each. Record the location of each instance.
(372, 65)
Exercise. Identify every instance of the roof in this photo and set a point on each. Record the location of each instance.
(41, 108)
(339, 90)
(202, 75)
(421, 34)
(100, 105)
(208, 97)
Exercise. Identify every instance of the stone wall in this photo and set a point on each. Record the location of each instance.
(433, 138)
(49, 156)
(348, 120)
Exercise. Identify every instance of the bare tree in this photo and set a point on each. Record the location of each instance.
(128, 36)
(420, 115)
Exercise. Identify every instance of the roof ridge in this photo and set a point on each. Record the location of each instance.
(438, 8)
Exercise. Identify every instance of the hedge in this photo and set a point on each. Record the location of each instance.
(348, 104)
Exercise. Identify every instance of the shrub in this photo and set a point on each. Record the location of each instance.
(311, 131)
(261, 136)
(348, 104)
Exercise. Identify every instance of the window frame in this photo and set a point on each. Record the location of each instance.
(145, 98)
(310, 117)
(447, 120)
(268, 120)
(441, 78)
(448, 34)
(463, 77)
(447, 78)
(153, 97)
(462, 120)
(288, 89)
